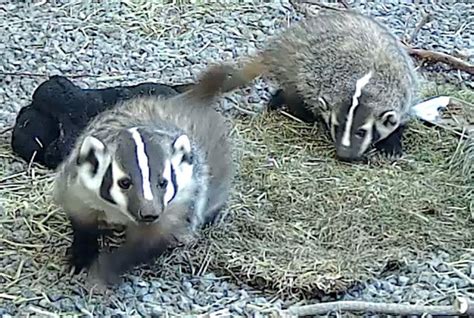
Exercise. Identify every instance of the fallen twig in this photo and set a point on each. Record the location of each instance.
(345, 4)
(426, 18)
(441, 57)
(4, 131)
(461, 306)
(29, 74)
(322, 5)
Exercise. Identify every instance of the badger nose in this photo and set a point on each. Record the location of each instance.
(148, 216)
(345, 158)
(344, 154)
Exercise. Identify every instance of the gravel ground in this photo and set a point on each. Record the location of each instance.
(115, 44)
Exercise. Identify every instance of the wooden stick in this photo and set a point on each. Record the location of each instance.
(3, 131)
(345, 4)
(322, 5)
(426, 18)
(461, 306)
(29, 74)
(441, 57)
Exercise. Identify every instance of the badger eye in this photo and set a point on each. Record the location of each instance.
(361, 133)
(163, 183)
(125, 183)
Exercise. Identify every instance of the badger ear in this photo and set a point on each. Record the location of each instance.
(390, 119)
(387, 123)
(92, 151)
(182, 150)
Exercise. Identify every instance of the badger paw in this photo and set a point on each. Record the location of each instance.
(391, 146)
(391, 152)
(102, 273)
(80, 256)
(277, 100)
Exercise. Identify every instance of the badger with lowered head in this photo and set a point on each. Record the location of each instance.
(159, 166)
(347, 69)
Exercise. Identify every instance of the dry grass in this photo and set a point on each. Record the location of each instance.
(146, 17)
(300, 222)
(304, 223)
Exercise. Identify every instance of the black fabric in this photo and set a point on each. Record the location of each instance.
(60, 110)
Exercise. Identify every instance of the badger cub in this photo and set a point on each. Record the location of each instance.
(160, 167)
(345, 68)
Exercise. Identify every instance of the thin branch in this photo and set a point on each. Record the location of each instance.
(461, 306)
(46, 75)
(426, 18)
(4, 131)
(441, 57)
(345, 4)
(322, 5)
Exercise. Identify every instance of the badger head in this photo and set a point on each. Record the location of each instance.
(139, 175)
(360, 121)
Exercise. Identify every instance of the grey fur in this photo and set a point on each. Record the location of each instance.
(323, 56)
(160, 121)
(168, 120)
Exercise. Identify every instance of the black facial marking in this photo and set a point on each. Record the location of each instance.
(392, 145)
(375, 133)
(89, 158)
(173, 182)
(84, 246)
(106, 185)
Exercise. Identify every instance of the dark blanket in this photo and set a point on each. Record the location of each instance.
(60, 110)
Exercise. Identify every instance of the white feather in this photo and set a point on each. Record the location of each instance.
(429, 110)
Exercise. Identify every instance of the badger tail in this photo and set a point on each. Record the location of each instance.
(222, 78)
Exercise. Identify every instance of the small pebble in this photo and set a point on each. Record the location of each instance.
(403, 280)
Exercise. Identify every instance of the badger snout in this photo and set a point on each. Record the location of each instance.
(346, 154)
(149, 214)
(148, 218)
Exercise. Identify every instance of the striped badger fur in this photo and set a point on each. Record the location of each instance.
(159, 167)
(345, 68)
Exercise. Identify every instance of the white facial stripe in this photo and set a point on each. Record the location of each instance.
(333, 125)
(361, 83)
(142, 163)
(170, 188)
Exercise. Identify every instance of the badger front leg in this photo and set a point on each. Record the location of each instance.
(144, 243)
(293, 101)
(84, 248)
(392, 145)
(142, 246)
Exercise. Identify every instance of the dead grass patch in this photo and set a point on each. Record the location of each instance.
(300, 222)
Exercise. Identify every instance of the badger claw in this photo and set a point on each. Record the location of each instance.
(391, 146)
